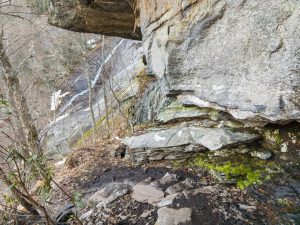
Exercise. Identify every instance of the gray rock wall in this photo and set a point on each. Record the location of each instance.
(220, 64)
(241, 56)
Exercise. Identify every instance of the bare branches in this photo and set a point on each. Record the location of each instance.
(21, 172)
(10, 10)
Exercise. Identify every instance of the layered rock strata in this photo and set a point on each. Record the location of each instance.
(212, 59)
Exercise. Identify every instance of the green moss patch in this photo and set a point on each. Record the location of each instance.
(244, 172)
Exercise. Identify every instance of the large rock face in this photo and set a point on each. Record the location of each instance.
(114, 17)
(240, 56)
(218, 64)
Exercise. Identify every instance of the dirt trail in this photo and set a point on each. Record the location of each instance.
(88, 170)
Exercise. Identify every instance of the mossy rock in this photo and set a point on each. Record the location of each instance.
(240, 169)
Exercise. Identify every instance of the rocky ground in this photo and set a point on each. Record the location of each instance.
(170, 193)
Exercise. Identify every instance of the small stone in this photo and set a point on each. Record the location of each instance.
(215, 210)
(176, 188)
(146, 213)
(166, 179)
(224, 194)
(167, 200)
(221, 125)
(206, 190)
(189, 182)
(106, 216)
(262, 155)
(284, 147)
(247, 208)
(187, 194)
(123, 217)
(86, 215)
(147, 193)
(108, 194)
(112, 220)
(168, 216)
(179, 187)
(106, 170)
(283, 157)
(147, 180)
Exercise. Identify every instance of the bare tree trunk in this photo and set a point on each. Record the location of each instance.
(106, 106)
(103, 82)
(18, 132)
(112, 117)
(19, 100)
(88, 79)
(98, 104)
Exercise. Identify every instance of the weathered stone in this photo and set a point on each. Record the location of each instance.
(142, 155)
(166, 179)
(284, 147)
(147, 194)
(230, 56)
(210, 138)
(146, 213)
(175, 111)
(168, 216)
(182, 143)
(108, 194)
(113, 197)
(148, 107)
(187, 184)
(206, 190)
(261, 154)
(248, 208)
(167, 200)
(114, 18)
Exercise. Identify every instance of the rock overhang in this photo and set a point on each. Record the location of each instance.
(229, 57)
(112, 18)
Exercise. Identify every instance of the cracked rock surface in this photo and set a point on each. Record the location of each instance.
(176, 143)
(241, 57)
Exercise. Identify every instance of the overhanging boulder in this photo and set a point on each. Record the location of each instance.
(112, 18)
